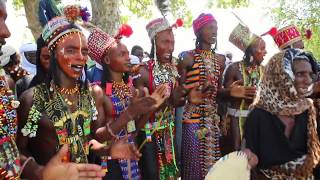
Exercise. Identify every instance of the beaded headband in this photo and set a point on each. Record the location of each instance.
(202, 20)
(60, 27)
(160, 24)
(99, 42)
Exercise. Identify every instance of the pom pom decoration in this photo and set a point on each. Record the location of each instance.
(178, 23)
(85, 14)
(73, 12)
(308, 34)
(272, 32)
(124, 30)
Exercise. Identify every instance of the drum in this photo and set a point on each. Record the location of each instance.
(233, 166)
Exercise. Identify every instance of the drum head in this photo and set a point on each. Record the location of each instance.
(233, 166)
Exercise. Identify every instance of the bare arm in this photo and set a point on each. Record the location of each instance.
(32, 170)
(230, 77)
(106, 127)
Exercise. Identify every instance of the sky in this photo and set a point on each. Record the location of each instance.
(255, 17)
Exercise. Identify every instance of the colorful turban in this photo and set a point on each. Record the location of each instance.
(56, 29)
(242, 37)
(202, 20)
(156, 26)
(98, 43)
(287, 36)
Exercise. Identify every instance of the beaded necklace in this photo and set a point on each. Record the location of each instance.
(208, 132)
(72, 128)
(121, 90)
(250, 75)
(164, 73)
(9, 154)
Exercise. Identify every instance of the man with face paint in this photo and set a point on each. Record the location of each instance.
(123, 100)
(244, 76)
(12, 164)
(64, 110)
(158, 153)
(201, 71)
(282, 127)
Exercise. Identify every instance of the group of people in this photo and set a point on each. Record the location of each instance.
(119, 121)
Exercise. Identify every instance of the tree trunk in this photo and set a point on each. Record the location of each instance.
(31, 8)
(106, 15)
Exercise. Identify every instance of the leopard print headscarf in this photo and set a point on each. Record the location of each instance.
(277, 94)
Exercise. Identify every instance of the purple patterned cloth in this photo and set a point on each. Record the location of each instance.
(191, 167)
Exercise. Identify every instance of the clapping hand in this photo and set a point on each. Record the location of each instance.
(239, 91)
(57, 169)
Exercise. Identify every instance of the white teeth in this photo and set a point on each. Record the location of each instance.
(77, 68)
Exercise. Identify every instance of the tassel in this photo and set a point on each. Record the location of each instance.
(272, 32)
(124, 30)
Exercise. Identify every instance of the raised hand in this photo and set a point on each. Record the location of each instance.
(160, 95)
(56, 169)
(141, 103)
(121, 149)
(239, 91)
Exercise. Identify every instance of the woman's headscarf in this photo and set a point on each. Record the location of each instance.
(277, 94)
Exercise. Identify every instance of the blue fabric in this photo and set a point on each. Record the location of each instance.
(45, 12)
(94, 74)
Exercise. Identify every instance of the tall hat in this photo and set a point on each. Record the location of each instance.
(287, 36)
(202, 20)
(5, 57)
(160, 24)
(242, 37)
(156, 26)
(99, 42)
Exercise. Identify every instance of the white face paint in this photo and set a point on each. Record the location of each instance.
(79, 35)
(62, 51)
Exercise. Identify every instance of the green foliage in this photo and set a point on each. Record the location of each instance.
(143, 8)
(228, 3)
(305, 14)
(17, 4)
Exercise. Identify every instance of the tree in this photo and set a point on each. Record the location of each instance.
(106, 13)
(305, 14)
(31, 8)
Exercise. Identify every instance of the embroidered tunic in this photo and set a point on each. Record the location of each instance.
(71, 128)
